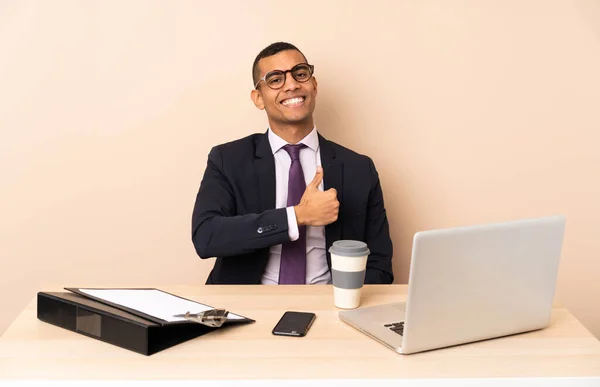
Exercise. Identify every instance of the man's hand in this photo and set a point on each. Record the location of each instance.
(317, 208)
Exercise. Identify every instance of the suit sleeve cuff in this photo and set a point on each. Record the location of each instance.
(293, 231)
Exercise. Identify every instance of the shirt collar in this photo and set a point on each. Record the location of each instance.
(311, 140)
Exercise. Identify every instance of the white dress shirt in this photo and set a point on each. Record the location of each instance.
(317, 271)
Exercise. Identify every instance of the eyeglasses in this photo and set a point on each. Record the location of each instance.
(275, 79)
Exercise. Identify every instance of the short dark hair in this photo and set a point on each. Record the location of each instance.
(271, 50)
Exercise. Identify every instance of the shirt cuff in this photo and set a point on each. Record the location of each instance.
(293, 231)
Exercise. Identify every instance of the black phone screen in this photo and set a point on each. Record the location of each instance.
(294, 324)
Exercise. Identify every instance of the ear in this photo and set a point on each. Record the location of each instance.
(315, 84)
(257, 99)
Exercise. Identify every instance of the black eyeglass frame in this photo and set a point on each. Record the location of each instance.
(291, 71)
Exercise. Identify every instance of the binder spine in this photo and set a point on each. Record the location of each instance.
(91, 323)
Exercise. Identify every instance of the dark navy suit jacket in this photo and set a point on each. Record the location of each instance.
(235, 219)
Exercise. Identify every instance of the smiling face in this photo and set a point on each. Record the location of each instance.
(292, 104)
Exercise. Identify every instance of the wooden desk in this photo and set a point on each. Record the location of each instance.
(31, 349)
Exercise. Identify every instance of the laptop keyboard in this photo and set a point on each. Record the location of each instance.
(397, 327)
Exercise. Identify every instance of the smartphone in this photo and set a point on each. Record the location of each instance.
(294, 324)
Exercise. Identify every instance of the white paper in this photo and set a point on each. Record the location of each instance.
(152, 302)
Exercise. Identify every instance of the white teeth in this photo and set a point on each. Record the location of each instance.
(293, 101)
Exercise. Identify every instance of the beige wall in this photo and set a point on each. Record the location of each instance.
(474, 111)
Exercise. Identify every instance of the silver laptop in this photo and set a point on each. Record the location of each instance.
(471, 283)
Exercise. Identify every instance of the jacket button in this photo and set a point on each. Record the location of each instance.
(259, 230)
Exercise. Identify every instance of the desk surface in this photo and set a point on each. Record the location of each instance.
(31, 349)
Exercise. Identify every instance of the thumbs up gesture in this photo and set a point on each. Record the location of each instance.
(317, 208)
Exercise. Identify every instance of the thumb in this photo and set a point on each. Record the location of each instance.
(314, 184)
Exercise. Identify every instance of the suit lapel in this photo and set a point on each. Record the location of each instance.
(332, 178)
(264, 166)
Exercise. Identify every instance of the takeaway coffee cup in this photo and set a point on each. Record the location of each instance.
(348, 266)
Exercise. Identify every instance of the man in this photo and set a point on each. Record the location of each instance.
(270, 205)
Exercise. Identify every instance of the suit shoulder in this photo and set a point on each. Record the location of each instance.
(348, 155)
(236, 152)
(360, 164)
(238, 145)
